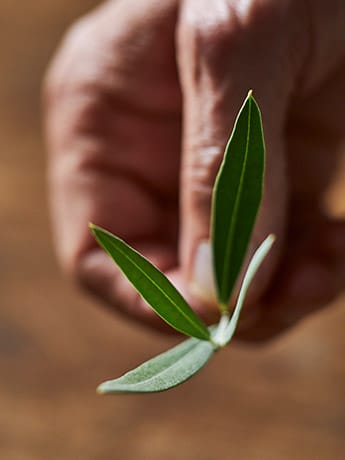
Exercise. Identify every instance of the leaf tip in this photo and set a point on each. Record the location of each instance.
(102, 389)
(95, 229)
(250, 94)
(271, 238)
(92, 226)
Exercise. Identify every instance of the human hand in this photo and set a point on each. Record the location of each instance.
(133, 82)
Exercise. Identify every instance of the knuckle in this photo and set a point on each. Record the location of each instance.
(230, 31)
(211, 38)
(199, 173)
(75, 87)
(72, 64)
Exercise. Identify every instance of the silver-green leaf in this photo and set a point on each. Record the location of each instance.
(253, 267)
(152, 285)
(164, 371)
(236, 198)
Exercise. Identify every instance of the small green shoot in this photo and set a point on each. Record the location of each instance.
(236, 199)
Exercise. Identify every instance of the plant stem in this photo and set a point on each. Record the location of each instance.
(223, 308)
(219, 334)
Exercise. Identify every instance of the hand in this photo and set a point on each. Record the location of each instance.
(136, 83)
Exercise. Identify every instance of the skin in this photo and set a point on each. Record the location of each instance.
(139, 102)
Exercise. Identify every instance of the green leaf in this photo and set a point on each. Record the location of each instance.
(253, 267)
(152, 285)
(164, 371)
(236, 198)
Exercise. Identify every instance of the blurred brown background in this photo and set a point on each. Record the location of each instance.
(283, 401)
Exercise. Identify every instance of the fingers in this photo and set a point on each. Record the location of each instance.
(220, 58)
(313, 276)
(101, 278)
(113, 130)
(324, 32)
(114, 127)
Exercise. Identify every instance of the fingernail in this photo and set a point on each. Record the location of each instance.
(202, 282)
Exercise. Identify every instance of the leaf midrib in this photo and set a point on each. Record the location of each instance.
(165, 370)
(233, 221)
(161, 290)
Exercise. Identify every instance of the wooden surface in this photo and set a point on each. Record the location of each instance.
(281, 402)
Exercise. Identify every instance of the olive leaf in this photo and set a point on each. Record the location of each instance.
(178, 364)
(224, 333)
(236, 198)
(152, 285)
(164, 371)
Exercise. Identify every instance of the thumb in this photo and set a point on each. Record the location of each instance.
(218, 65)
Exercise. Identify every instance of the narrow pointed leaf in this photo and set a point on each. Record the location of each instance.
(236, 197)
(152, 285)
(165, 371)
(253, 266)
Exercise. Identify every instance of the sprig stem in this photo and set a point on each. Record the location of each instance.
(219, 334)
